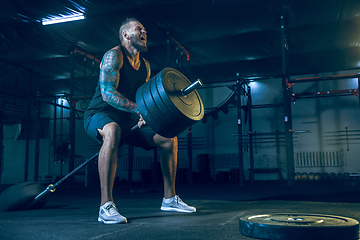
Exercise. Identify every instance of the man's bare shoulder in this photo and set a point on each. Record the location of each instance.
(147, 65)
(114, 52)
(117, 49)
(112, 59)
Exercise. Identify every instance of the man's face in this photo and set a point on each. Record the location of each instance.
(138, 37)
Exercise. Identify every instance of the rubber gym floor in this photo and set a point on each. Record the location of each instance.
(71, 211)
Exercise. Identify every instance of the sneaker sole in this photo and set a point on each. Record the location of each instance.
(111, 222)
(169, 209)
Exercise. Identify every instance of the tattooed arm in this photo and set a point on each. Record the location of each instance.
(109, 80)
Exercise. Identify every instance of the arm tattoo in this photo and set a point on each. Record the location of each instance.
(109, 80)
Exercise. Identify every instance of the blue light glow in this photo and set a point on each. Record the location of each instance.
(61, 19)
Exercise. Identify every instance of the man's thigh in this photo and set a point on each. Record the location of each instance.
(99, 120)
(141, 137)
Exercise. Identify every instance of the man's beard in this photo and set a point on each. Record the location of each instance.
(135, 42)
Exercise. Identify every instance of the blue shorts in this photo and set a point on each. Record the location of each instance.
(140, 137)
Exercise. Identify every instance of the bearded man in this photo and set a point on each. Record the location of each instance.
(112, 113)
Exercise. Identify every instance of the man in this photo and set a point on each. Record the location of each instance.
(113, 111)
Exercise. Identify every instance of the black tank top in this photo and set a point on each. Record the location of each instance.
(130, 81)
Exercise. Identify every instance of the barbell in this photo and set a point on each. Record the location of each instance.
(169, 104)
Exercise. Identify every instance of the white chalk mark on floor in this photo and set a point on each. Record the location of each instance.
(231, 219)
(120, 230)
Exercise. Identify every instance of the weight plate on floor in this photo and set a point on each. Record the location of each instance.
(300, 226)
(20, 195)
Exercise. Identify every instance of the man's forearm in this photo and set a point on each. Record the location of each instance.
(120, 102)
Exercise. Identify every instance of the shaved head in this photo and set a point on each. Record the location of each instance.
(125, 26)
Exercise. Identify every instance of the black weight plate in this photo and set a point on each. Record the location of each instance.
(173, 82)
(146, 99)
(300, 226)
(148, 109)
(20, 195)
(176, 122)
(163, 107)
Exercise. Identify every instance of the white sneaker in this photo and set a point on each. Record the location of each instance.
(109, 214)
(177, 205)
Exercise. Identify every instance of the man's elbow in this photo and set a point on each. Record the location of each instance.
(105, 97)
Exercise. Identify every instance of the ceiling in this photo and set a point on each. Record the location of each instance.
(220, 37)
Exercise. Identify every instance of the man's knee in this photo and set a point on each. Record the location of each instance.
(110, 132)
(168, 143)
